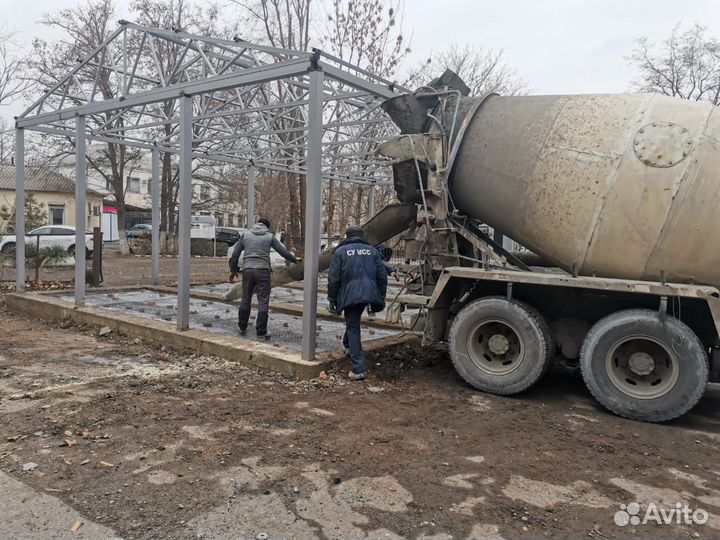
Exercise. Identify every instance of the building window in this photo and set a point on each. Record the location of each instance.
(56, 214)
(133, 184)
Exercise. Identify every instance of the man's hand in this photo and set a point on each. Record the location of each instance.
(233, 277)
(333, 308)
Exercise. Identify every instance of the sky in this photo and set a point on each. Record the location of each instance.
(556, 46)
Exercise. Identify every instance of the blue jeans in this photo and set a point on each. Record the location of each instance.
(351, 339)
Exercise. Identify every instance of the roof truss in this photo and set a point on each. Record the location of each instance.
(250, 102)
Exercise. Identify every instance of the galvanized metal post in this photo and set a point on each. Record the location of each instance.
(252, 176)
(155, 231)
(372, 201)
(184, 212)
(80, 211)
(20, 208)
(313, 207)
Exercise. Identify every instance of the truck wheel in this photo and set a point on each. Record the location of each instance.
(8, 248)
(644, 367)
(499, 346)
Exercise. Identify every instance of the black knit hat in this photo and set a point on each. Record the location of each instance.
(353, 230)
(264, 221)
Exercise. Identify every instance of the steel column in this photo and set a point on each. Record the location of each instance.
(20, 208)
(80, 211)
(184, 213)
(371, 209)
(252, 176)
(155, 232)
(313, 208)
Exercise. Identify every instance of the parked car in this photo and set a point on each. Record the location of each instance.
(139, 230)
(276, 260)
(228, 235)
(49, 235)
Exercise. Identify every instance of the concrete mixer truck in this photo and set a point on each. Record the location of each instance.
(616, 199)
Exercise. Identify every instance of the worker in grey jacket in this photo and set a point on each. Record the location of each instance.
(256, 244)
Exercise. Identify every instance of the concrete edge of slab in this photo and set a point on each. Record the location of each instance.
(259, 355)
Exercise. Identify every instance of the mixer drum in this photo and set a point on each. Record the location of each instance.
(621, 185)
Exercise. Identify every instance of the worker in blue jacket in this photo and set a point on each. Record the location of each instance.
(357, 279)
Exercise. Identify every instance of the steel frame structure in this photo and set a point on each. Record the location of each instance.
(211, 99)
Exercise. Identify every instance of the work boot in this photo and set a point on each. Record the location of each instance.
(356, 376)
(265, 336)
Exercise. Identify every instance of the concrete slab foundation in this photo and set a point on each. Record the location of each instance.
(150, 313)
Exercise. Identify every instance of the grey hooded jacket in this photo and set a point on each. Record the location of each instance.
(256, 244)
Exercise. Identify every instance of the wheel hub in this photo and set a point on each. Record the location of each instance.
(498, 344)
(642, 367)
(641, 363)
(495, 347)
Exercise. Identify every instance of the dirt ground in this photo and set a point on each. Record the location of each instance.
(135, 441)
(121, 270)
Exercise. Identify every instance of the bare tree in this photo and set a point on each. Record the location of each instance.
(85, 28)
(483, 70)
(685, 65)
(12, 83)
(367, 33)
(181, 15)
(285, 24)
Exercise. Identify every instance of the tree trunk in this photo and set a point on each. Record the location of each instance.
(330, 211)
(294, 212)
(122, 233)
(358, 206)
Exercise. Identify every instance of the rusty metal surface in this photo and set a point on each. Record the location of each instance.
(623, 186)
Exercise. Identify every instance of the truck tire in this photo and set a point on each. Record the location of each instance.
(642, 366)
(8, 248)
(500, 346)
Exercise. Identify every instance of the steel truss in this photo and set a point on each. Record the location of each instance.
(211, 99)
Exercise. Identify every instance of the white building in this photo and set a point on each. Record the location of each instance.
(207, 200)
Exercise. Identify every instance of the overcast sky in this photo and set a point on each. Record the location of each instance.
(557, 46)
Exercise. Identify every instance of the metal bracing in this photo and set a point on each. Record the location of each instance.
(257, 107)
(251, 97)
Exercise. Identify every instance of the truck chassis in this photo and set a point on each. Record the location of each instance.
(646, 350)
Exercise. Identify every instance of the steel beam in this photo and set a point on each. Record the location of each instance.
(184, 213)
(313, 209)
(155, 232)
(252, 176)
(371, 209)
(357, 82)
(20, 208)
(80, 211)
(260, 74)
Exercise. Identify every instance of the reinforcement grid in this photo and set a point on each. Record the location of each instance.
(294, 297)
(218, 317)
